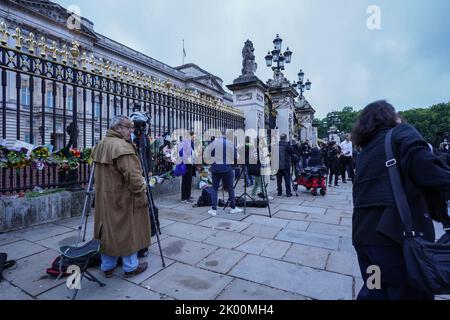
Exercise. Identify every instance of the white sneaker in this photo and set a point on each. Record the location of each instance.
(213, 212)
(236, 211)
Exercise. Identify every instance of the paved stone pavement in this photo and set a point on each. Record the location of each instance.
(303, 252)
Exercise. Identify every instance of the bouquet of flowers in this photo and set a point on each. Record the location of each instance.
(17, 159)
(86, 156)
(40, 156)
(67, 159)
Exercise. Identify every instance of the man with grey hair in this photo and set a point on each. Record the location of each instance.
(121, 223)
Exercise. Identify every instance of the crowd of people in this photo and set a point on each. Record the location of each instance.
(377, 228)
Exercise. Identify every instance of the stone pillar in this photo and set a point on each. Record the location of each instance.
(248, 96)
(283, 96)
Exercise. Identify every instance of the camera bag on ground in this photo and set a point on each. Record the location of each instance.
(60, 265)
(205, 200)
(427, 263)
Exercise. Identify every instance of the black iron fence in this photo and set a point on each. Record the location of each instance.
(44, 93)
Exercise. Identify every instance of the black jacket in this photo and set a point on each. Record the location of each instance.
(376, 220)
(286, 154)
(316, 159)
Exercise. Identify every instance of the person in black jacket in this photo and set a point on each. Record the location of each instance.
(285, 163)
(333, 163)
(316, 158)
(377, 227)
(306, 153)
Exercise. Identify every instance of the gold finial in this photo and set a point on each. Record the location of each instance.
(108, 68)
(43, 46)
(75, 52)
(121, 72)
(64, 54)
(4, 32)
(19, 38)
(54, 50)
(32, 43)
(84, 60)
(100, 65)
(93, 63)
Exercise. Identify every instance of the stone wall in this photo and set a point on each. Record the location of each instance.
(22, 213)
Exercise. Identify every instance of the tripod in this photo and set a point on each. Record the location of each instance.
(245, 194)
(87, 201)
(141, 144)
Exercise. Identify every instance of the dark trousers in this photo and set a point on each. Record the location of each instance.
(394, 280)
(227, 179)
(347, 166)
(333, 169)
(186, 183)
(286, 174)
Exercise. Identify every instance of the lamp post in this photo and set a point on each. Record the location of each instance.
(332, 122)
(300, 85)
(277, 59)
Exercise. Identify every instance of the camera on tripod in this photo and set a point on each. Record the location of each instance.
(142, 121)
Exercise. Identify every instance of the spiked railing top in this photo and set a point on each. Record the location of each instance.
(107, 69)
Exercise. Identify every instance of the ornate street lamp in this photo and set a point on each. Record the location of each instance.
(302, 87)
(277, 57)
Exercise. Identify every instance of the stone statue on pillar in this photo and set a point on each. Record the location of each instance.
(248, 60)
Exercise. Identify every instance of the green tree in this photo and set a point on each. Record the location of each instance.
(431, 122)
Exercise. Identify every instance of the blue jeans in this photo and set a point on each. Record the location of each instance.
(227, 179)
(129, 264)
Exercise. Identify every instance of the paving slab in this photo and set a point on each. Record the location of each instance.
(307, 256)
(309, 238)
(227, 239)
(10, 292)
(262, 231)
(282, 223)
(182, 216)
(154, 266)
(183, 250)
(265, 247)
(290, 215)
(298, 225)
(30, 276)
(21, 249)
(7, 238)
(333, 230)
(184, 282)
(294, 278)
(67, 239)
(221, 260)
(324, 218)
(344, 263)
(224, 224)
(43, 232)
(189, 231)
(241, 290)
(302, 209)
(346, 222)
(115, 289)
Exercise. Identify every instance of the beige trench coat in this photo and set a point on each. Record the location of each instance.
(122, 222)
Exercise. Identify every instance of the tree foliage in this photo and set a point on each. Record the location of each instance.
(432, 122)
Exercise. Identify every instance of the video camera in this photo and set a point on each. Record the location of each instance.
(142, 121)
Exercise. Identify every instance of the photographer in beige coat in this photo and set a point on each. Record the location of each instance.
(122, 222)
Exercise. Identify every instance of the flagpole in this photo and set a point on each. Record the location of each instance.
(183, 52)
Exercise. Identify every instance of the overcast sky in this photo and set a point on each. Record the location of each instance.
(406, 62)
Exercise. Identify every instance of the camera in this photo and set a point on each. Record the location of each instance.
(142, 121)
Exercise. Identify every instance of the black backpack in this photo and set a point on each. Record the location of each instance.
(205, 200)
